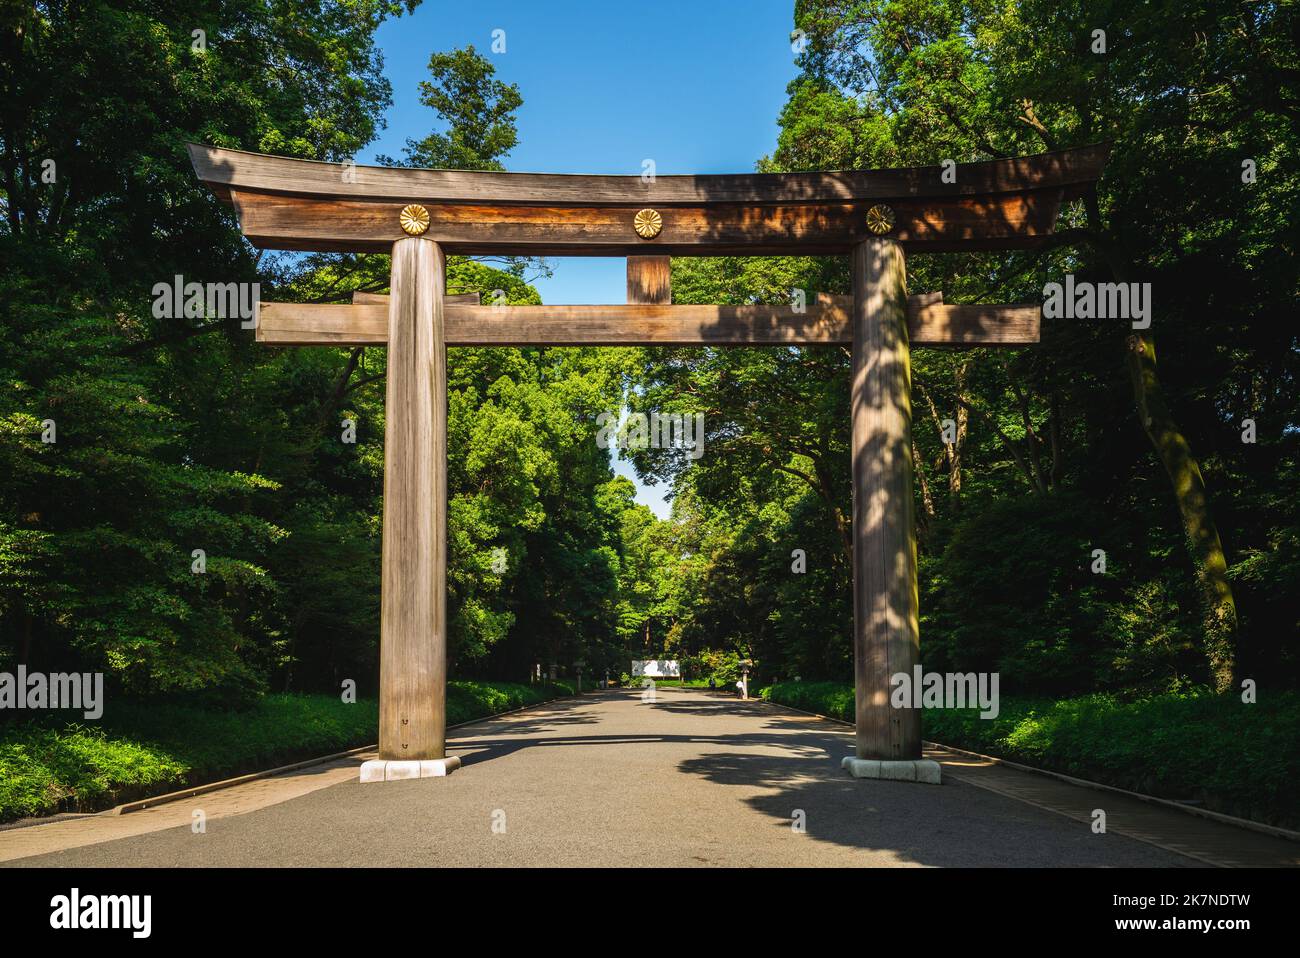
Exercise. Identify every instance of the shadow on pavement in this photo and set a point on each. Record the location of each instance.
(944, 826)
(490, 750)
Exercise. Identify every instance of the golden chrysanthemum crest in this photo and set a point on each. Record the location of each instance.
(414, 219)
(648, 223)
(880, 219)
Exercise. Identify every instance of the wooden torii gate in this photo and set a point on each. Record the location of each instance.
(420, 216)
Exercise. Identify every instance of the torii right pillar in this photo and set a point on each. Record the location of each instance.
(886, 638)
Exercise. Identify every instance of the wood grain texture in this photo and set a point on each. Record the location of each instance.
(222, 170)
(996, 221)
(885, 606)
(825, 322)
(649, 279)
(413, 614)
(457, 299)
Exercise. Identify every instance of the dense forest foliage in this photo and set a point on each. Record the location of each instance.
(1026, 462)
(127, 442)
(181, 434)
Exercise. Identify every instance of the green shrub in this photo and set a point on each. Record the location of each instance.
(467, 701)
(43, 769)
(824, 698)
(723, 665)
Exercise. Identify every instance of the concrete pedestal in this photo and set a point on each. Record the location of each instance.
(917, 770)
(394, 770)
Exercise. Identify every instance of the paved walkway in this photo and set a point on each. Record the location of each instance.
(606, 779)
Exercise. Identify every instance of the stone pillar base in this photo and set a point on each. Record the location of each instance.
(394, 770)
(917, 770)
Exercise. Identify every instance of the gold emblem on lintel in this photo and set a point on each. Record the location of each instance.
(414, 219)
(648, 223)
(880, 219)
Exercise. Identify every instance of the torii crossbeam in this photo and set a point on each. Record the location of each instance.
(422, 215)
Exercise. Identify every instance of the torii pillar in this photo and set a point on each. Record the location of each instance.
(886, 637)
(413, 607)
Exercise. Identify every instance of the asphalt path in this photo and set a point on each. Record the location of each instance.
(690, 779)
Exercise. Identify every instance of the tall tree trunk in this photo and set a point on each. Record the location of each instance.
(1193, 506)
(927, 500)
(954, 449)
(1054, 437)
(1203, 545)
(26, 655)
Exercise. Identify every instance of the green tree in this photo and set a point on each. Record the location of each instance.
(1185, 93)
(477, 110)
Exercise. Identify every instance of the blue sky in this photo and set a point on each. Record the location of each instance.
(695, 86)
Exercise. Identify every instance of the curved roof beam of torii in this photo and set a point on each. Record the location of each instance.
(288, 203)
(220, 168)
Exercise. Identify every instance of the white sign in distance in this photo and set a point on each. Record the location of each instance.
(656, 668)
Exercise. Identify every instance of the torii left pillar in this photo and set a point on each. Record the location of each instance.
(413, 613)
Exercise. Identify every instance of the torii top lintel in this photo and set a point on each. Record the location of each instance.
(293, 204)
